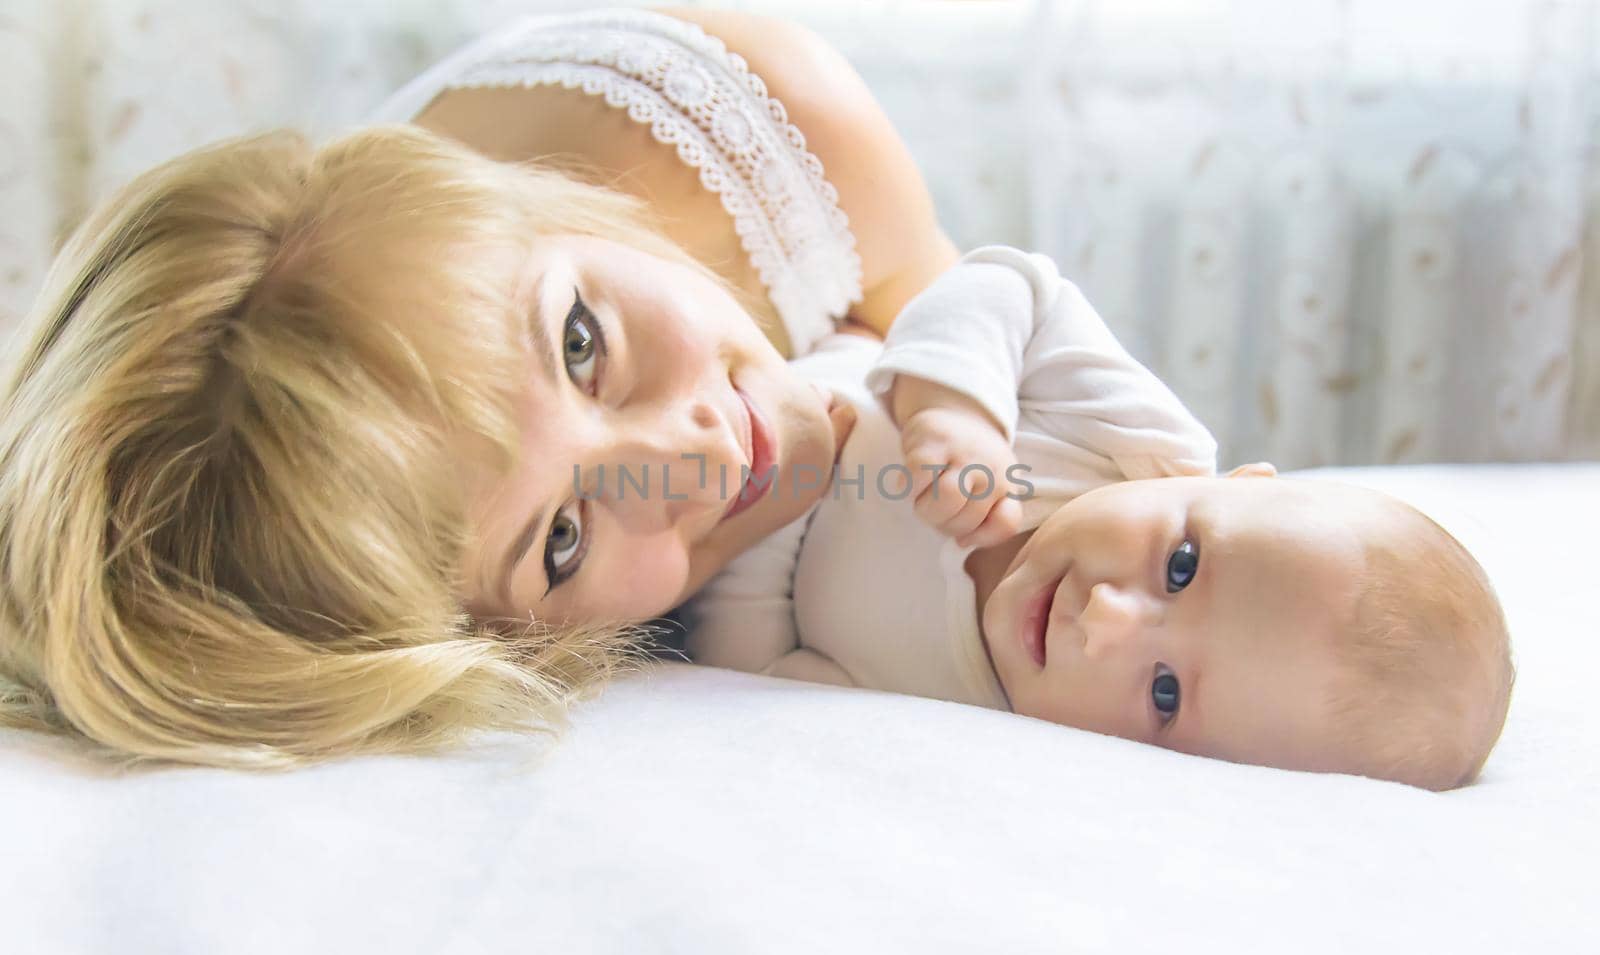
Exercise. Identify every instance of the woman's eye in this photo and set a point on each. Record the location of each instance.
(582, 344)
(1181, 566)
(564, 544)
(1165, 692)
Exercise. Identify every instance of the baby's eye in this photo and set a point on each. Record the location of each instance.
(1165, 692)
(582, 343)
(1181, 566)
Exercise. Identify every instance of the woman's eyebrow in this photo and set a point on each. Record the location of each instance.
(533, 307)
(517, 551)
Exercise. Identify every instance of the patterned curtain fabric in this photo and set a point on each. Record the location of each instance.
(1345, 231)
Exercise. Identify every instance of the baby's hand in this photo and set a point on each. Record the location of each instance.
(942, 433)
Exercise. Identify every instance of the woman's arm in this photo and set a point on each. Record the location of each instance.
(881, 190)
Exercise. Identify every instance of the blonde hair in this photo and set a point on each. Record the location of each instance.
(1427, 671)
(230, 523)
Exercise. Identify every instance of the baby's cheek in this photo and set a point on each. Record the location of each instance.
(1084, 706)
(1043, 703)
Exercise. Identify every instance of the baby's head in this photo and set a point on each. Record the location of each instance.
(1294, 623)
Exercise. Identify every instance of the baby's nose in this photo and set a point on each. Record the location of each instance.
(1112, 619)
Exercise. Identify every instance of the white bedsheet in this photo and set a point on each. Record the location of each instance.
(701, 811)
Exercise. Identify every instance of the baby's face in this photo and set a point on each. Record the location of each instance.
(1198, 614)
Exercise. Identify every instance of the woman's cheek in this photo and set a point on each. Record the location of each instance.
(646, 583)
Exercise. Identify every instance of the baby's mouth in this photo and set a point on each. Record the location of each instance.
(1036, 622)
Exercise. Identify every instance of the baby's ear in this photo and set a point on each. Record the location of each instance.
(1255, 469)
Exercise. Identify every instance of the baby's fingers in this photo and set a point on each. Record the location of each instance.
(1003, 522)
(926, 459)
(969, 518)
(940, 501)
(972, 494)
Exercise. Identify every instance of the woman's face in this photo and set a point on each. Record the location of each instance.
(653, 396)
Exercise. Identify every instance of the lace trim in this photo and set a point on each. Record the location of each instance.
(701, 98)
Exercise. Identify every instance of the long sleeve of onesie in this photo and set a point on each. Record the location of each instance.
(1003, 327)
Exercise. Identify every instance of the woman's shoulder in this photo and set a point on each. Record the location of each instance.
(881, 190)
(890, 217)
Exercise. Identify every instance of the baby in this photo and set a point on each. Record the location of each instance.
(1024, 517)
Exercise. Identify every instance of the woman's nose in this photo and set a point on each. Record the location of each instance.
(664, 468)
(1113, 619)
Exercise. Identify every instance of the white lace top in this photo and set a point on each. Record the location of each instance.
(697, 95)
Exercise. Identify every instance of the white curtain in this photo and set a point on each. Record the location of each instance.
(1346, 231)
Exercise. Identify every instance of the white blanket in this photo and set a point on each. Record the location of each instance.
(702, 811)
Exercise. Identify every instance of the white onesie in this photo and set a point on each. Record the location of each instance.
(858, 591)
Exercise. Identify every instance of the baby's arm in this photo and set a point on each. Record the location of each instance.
(947, 376)
(1081, 387)
(958, 457)
(1005, 330)
(966, 333)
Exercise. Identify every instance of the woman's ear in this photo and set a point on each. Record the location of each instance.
(1255, 469)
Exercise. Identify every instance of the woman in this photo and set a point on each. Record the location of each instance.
(272, 455)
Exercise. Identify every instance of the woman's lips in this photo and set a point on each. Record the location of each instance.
(761, 458)
(1036, 622)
